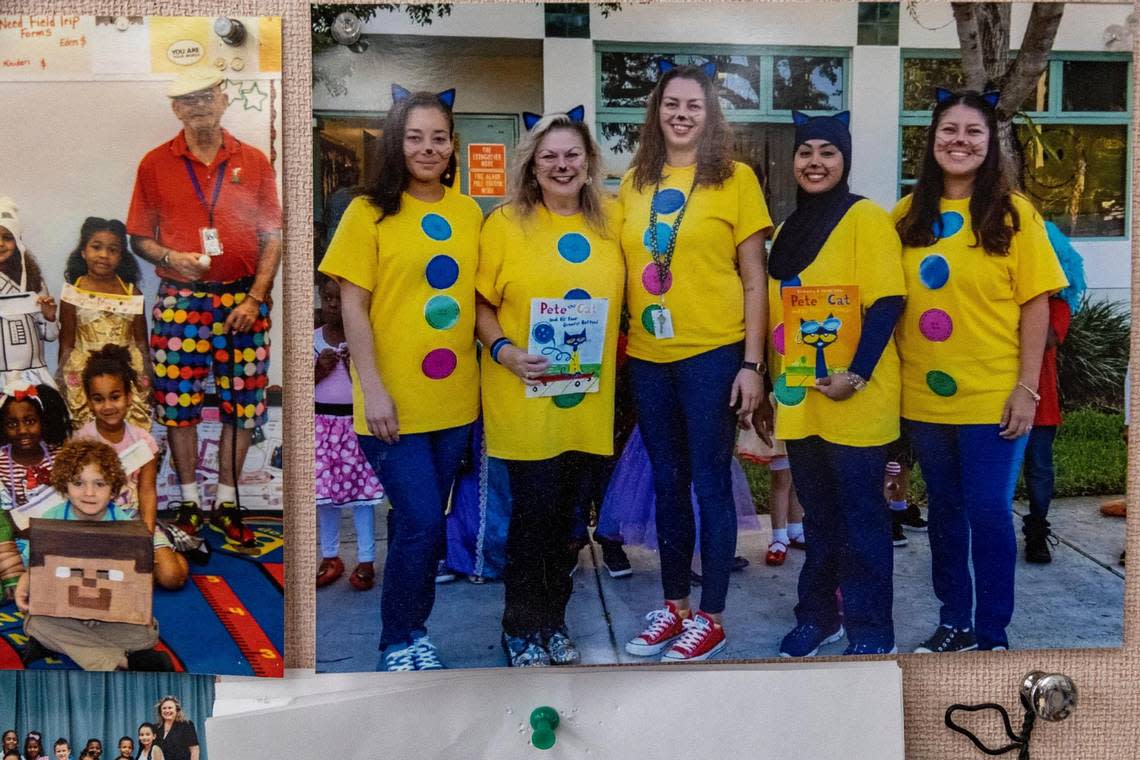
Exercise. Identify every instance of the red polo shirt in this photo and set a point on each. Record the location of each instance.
(1049, 408)
(166, 207)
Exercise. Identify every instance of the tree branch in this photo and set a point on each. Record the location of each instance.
(1033, 57)
(973, 64)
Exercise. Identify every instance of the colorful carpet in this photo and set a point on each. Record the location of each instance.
(228, 619)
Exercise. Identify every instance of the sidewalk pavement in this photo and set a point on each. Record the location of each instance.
(1075, 602)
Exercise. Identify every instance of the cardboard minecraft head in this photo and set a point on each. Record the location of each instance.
(91, 570)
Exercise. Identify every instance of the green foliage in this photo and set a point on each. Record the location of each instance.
(1092, 360)
(1089, 459)
(322, 17)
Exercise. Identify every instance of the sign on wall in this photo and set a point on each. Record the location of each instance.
(487, 163)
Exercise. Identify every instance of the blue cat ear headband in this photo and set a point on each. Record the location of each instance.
(447, 97)
(664, 65)
(941, 94)
(799, 118)
(575, 114)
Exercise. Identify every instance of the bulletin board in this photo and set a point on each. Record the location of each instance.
(1105, 724)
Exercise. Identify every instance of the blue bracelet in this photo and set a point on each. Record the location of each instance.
(497, 346)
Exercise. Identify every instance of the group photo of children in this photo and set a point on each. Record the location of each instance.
(135, 357)
(80, 716)
(651, 352)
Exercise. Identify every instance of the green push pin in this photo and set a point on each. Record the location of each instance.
(543, 720)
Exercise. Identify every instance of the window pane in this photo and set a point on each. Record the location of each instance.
(618, 142)
(878, 23)
(913, 145)
(1095, 86)
(628, 78)
(1079, 182)
(803, 83)
(922, 75)
(567, 19)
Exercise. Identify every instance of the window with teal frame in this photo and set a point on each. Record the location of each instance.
(567, 19)
(878, 23)
(757, 86)
(1073, 131)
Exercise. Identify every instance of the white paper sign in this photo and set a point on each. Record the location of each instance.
(17, 304)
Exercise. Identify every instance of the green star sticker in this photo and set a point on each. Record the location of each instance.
(251, 97)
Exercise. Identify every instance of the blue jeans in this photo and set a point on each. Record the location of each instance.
(417, 474)
(1039, 471)
(970, 473)
(847, 527)
(689, 431)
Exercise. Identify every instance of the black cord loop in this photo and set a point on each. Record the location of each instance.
(1020, 741)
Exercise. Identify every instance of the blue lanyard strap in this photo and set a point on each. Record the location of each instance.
(198, 188)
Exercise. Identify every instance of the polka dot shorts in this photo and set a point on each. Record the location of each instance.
(187, 344)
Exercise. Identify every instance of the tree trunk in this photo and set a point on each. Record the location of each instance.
(983, 35)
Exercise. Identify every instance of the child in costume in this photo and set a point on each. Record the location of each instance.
(100, 304)
(344, 478)
(22, 335)
(90, 473)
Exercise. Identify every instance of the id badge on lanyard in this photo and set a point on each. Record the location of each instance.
(209, 238)
(662, 324)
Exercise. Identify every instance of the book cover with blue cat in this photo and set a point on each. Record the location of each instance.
(571, 333)
(821, 328)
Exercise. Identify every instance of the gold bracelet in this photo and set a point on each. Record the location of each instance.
(1036, 396)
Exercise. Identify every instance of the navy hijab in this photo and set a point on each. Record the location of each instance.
(807, 229)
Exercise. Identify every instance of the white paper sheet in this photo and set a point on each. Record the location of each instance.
(853, 711)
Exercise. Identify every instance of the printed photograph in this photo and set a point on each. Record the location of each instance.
(140, 247)
(84, 716)
(662, 333)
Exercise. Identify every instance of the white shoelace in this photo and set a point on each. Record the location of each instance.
(401, 661)
(659, 621)
(426, 657)
(693, 630)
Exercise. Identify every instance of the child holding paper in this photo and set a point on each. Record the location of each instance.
(101, 305)
(23, 329)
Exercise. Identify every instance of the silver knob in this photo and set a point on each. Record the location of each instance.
(1051, 696)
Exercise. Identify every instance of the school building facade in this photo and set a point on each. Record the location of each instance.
(876, 60)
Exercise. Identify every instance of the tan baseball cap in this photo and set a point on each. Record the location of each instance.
(193, 80)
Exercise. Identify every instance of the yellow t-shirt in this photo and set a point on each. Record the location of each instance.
(863, 250)
(958, 338)
(703, 291)
(419, 265)
(547, 256)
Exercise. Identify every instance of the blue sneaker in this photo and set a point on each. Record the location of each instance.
(864, 648)
(402, 660)
(805, 640)
(427, 658)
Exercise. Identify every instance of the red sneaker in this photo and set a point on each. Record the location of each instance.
(664, 626)
(777, 553)
(226, 517)
(189, 517)
(702, 638)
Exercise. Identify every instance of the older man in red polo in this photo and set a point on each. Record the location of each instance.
(205, 212)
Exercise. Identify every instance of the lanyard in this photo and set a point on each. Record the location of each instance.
(663, 261)
(198, 188)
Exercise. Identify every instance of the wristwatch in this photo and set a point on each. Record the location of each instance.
(759, 368)
(857, 381)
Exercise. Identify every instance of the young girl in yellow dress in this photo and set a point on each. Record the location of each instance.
(101, 304)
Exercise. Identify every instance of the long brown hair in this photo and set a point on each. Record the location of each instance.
(714, 153)
(524, 193)
(391, 177)
(990, 201)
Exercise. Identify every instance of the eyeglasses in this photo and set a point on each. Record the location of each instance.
(194, 98)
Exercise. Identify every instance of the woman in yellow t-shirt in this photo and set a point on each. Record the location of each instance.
(838, 420)
(979, 270)
(405, 254)
(555, 239)
(694, 224)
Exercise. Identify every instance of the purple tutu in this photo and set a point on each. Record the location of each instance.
(344, 477)
(629, 507)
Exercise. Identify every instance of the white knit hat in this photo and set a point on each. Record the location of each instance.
(10, 220)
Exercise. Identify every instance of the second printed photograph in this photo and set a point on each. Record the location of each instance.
(667, 333)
